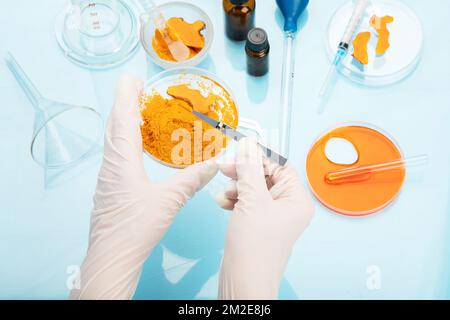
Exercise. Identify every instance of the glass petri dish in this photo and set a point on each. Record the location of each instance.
(189, 13)
(401, 59)
(98, 34)
(357, 198)
(168, 78)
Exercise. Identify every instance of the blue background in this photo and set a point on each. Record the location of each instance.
(44, 230)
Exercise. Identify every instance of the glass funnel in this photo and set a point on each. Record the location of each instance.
(63, 134)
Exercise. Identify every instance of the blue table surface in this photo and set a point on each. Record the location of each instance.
(405, 248)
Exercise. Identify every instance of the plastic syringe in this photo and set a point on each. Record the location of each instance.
(344, 45)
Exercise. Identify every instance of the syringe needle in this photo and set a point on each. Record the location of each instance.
(326, 84)
(355, 19)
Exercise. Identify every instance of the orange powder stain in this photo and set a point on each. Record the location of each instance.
(380, 25)
(188, 33)
(162, 119)
(359, 197)
(360, 47)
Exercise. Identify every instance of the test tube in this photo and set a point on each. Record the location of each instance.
(357, 174)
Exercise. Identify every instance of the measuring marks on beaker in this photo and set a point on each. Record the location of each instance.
(98, 34)
(98, 19)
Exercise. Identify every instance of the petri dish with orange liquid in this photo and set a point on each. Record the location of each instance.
(364, 194)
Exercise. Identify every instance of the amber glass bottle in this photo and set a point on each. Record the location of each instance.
(239, 18)
(257, 50)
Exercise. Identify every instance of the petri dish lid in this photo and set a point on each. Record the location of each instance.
(98, 34)
(400, 60)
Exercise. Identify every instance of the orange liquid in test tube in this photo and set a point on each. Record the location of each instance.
(364, 194)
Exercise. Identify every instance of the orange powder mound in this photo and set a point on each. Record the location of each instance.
(188, 33)
(360, 196)
(360, 47)
(380, 25)
(172, 134)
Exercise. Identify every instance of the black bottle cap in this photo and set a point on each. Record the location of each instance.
(257, 40)
(238, 2)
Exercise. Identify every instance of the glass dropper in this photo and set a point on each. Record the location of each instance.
(291, 11)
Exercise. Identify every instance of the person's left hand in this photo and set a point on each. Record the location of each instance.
(131, 214)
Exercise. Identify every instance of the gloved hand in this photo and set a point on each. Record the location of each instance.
(130, 214)
(270, 210)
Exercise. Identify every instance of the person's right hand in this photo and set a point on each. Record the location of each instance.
(270, 211)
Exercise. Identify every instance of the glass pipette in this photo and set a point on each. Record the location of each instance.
(362, 173)
(344, 45)
(291, 11)
(287, 83)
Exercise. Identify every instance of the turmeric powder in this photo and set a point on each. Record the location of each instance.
(188, 33)
(172, 134)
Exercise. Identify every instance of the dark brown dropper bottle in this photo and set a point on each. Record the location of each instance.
(239, 18)
(257, 49)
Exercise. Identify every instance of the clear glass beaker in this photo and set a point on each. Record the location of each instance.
(98, 33)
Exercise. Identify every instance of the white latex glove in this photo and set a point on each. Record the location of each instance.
(130, 214)
(269, 214)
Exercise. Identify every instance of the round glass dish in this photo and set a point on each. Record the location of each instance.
(363, 197)
(98, 34)
(189, 13)
(400, 60)
(165, 79)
